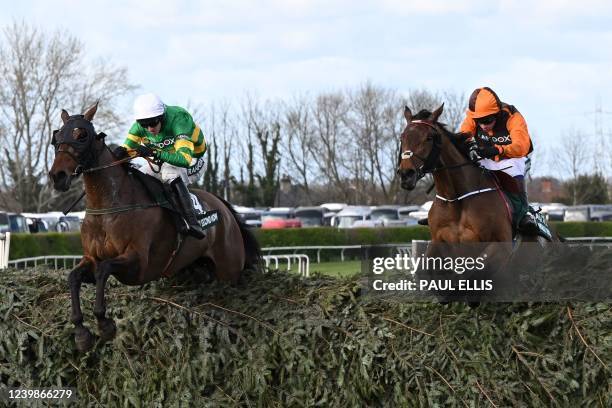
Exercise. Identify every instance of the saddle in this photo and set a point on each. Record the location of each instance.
(165, 197)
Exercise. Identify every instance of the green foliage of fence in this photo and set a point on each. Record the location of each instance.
(52, 243)
(27, 245)
(335, 236)
(583, 229)
(278, 340)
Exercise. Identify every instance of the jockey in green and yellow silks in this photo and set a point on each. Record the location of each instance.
(170, 135)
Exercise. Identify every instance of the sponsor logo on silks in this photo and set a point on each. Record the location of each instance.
(209, 219)
(196, 167)
(501, 139)
(163, 143)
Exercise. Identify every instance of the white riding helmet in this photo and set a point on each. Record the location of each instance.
(148, 106)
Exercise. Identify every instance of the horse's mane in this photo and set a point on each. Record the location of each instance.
(457, 139)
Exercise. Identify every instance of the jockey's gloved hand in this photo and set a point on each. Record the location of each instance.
(145, 151)
(473, 151)
(488, 151)
(120, 152)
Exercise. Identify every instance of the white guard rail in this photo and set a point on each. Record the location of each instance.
(303, 262)
(5, 245)
(46, 260)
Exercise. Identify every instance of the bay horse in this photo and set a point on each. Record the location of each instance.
(127, 234)
(469, 207)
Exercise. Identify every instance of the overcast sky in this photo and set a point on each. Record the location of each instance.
(552, 59)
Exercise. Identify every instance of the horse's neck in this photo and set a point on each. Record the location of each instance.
(456, 181)
(103, 187)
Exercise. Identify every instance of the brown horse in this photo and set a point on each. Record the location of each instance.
(126, 234)
(469, 206)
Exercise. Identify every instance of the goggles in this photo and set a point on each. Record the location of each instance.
(149, 122)
(487, 120)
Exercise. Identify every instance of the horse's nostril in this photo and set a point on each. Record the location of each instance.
(58, 177)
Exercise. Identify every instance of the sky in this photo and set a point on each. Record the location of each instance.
(552, 59)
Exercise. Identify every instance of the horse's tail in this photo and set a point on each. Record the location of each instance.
(251, 246)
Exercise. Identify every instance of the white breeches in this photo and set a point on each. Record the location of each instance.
(168, 172)
(513, 167)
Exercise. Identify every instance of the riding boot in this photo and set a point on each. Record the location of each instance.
(195, 229)
(527, 224)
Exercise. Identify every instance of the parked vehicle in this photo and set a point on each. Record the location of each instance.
(36, 225)
(588, 212)
(553, 211)
(347, 216)
(333, 207)
(279, 217)
(312, 216)
(250, 216)
(389, 216)
(367, 224)
(406, 210)
(68, 223)
(5, 224)
(279, 223)
(423, 211)
(18, 223)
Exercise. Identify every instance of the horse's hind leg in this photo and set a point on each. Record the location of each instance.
(82, 273)
(122, 263)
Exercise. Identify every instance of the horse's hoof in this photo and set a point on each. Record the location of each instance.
(108, 329)
(84, 339)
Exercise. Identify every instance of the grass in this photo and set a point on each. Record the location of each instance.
(338, 269)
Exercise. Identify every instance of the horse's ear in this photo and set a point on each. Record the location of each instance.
(436, 114)
(89, 114)
(101, 135)
(407, 113)
(65, 116)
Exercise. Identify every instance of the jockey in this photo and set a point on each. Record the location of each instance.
(168, 134)
(498, 137)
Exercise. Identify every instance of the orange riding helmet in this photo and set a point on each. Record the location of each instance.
(483, 102)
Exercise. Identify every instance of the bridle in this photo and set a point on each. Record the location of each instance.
(87, 155)
(430, 163)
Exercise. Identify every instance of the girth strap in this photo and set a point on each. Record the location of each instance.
(114, 210)
(450, 200)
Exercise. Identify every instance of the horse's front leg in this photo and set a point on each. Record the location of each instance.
(122, 264)
(84, 272)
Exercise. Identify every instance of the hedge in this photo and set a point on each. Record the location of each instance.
(277, 340)
(27, 245)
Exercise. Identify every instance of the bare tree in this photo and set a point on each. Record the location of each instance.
(298, 142)
(263, 122)
(374, 125)
(333, 148)
(39, 75)
(572, 156)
